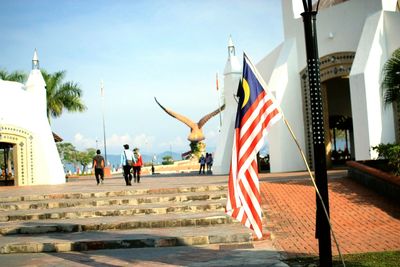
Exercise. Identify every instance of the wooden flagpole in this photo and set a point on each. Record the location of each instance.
(315, 186)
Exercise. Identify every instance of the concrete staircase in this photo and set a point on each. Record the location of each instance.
(133, 218)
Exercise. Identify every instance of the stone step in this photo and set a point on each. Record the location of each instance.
(108, 201)
(116, 223)
(121, 210)
(107, 193)
(136, 238)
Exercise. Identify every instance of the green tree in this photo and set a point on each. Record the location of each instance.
(62, 95)
(391, 79)
(167, 160)
(86, 157)
(67, 152)
(15, 76)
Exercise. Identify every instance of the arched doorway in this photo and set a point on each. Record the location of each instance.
(340, 120)
(335, 89)
(6, 164)
(17, 156)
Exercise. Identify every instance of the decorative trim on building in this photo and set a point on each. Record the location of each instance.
(331, 66)
(22, 141)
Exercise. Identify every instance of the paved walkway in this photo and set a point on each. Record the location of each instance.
(363, 221)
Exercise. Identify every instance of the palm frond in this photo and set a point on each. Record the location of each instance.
(62, 96)
(391, 79)
(15, 76)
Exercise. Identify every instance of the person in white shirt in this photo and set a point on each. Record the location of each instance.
(127, 160)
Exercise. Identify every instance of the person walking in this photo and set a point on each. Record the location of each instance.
(98, 165)
(127, 160)
(137, 166)
(202, 162)
(209, 162)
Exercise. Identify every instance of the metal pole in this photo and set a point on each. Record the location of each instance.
(323, 232)
(104, 124)
(219, 103)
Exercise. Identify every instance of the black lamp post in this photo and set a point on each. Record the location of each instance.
(323, 233)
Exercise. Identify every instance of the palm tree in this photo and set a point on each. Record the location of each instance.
(391, 79)
(61, 95)
(16, 76)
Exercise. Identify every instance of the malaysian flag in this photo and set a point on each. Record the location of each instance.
(255, 114)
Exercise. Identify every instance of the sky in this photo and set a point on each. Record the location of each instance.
(140, 49)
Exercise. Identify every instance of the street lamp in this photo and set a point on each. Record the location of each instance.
(104, 124)
(323, 232)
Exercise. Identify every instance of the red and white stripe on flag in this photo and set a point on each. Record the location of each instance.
(257, 111)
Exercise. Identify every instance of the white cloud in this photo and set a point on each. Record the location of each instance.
(143, 141)
(82, 143)
(118, 141)
(211, 138)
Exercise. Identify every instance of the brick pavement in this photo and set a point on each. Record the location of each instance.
(363, 221)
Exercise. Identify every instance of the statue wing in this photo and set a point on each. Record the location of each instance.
(203, 120)
(177, 116)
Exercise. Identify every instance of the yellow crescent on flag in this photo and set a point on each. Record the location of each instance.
(246, 89)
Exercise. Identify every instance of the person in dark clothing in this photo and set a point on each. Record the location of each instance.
(202, 162)
(209, 162)
(98, 165)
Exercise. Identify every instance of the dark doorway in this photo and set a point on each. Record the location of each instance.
(341, 138)
(6, 164)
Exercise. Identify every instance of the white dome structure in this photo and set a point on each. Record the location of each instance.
(25, 130)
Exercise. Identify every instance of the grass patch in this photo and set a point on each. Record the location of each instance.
(373, 259)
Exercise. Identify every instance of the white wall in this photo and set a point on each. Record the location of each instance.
(285, 81)
(372, 122)
(26, 109)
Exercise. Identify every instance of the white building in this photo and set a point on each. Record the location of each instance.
(355, 39)
(24, 128)
(232, 75)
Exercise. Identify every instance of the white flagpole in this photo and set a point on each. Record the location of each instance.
(219, 103)
(104, 124)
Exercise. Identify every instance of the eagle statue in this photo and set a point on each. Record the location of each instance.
(196, 135)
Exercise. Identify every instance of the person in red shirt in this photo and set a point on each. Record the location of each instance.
(137, 165)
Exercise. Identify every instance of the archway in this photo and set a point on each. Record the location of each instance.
(16, 144)
(6, 164)
(340, 121)
(335, 70)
